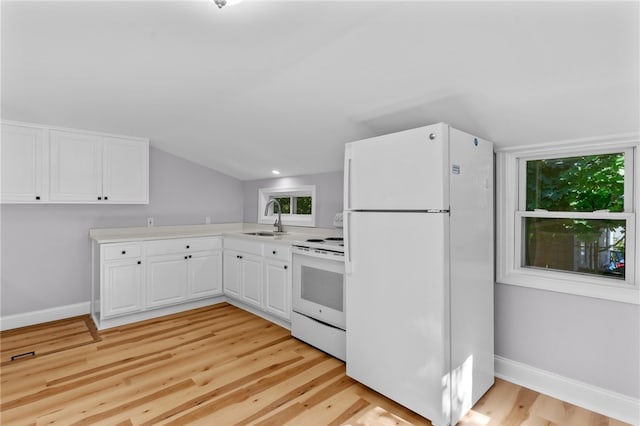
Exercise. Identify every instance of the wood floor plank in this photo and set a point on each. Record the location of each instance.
(246, 391)
(285, 395)
(220, 365)
(333, 408)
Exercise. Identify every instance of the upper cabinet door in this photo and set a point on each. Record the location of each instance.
(125, 166)
(76, 167)
(23, 157)
(400, 171)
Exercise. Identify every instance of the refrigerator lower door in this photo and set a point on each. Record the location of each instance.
(397, 303)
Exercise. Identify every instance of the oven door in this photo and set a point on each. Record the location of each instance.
(319, 287)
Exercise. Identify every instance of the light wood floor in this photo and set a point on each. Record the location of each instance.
(221, 365)
(44, 339)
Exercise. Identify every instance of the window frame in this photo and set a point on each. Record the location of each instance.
(511, 212)
(265, 194)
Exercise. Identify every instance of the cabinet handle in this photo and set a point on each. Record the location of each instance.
(106, 198)
(274, 252)
(189, 256)
(239, 257)
(139, 262)
(124, 252)
(187, 246)
(99, 198)
(286, 267)
(186, 257)
(37, 197)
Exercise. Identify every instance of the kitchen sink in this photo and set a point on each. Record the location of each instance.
(262, 234)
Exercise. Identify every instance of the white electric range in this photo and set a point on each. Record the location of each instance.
(318, 297)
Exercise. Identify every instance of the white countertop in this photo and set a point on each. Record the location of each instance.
(236, 230)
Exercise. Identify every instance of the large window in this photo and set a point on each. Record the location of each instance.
(566, 220)
(297, 203)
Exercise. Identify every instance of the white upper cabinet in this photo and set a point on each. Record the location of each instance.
(23, 168)
(125, 171)
(76, 167)
(69, 166)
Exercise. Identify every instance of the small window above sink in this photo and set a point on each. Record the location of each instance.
(298, 205)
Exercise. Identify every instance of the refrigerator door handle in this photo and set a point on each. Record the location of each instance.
(347, 178)
(349, 185)
(348, 265)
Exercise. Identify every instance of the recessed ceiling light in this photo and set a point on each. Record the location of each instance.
(275, 172)
(221, 3)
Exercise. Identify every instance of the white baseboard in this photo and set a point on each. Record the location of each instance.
(611, 404)
(45, 315)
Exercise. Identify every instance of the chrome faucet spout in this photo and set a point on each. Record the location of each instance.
(278, 223)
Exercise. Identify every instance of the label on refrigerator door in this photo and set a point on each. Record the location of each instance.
(455, 169)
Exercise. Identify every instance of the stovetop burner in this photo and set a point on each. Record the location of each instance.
(332, 244)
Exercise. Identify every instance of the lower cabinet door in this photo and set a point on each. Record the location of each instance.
(166, 280)
(231, 262)
(205, 274)
(277, 291)
(252, 279)
(122, 287)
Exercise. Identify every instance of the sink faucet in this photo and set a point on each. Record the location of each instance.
(278, 223)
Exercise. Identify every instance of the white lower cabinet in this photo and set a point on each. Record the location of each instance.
(243, 277)
(259, 275)
(166, 279)
(277, 288)
(205, 274)
(122, 287)
(251, 279)
(232, 270)
(139, 278)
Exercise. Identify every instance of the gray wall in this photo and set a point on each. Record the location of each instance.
(46, 250)
(591, 340)
(328, 195)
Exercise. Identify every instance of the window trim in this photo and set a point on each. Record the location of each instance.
(509, 221)
(264, 194)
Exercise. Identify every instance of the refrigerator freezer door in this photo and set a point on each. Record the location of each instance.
(403, 171)
(398, 308)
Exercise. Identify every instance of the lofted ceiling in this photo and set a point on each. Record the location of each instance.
(284, 84)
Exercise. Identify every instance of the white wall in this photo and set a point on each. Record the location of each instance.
(328, 195)
(46, 249)
(590, 340)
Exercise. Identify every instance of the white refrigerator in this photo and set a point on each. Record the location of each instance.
(419, 261)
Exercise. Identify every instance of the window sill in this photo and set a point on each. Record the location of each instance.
(309, 222)
(578, 285)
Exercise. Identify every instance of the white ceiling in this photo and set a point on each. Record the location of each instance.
(284, 84)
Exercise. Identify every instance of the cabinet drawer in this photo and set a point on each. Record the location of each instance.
(247, 246)
(121, 251)
(181, 245)
(277, 251)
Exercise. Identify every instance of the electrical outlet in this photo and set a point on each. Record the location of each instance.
(149, 221)
(207, 220)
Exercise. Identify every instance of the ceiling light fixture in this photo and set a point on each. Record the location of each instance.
(221, 3)
(275, 172)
